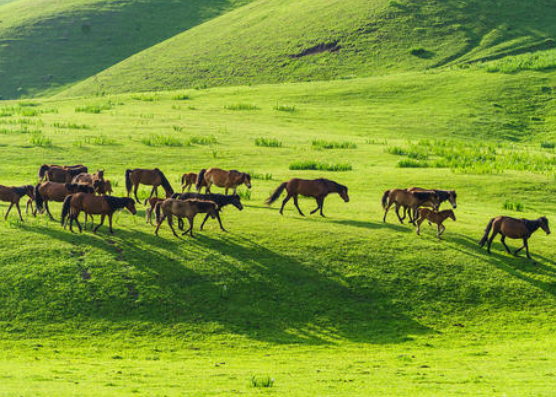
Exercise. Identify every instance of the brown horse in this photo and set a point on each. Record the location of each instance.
(514, 229)
(222, 178)
(154, 178)
(411, 200)
(12, 194)
(54, 191)
(93, 180)
(318, 188)
(151, 201)
(60, 173)
(436, 217)
(189, 180)
(443, 195)
(221, 200)
(183, 209)
(97, 205)
(104, 187)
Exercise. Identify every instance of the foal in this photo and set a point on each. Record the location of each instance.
(13, 194)
(182, 209)
(434, 217)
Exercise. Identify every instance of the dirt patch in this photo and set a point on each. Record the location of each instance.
(318, 49)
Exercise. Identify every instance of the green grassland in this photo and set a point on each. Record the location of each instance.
(343, 305)
(74, 39)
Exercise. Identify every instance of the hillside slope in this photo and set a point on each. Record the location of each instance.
(275, 41)
(48, 44)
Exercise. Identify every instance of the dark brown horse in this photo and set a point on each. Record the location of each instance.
(411, 200)
(13, 194)
(154, 178)
(436, 217)
(182, 209)
(54, 191)
(222, 178)
(94, 205)
(221, 200)
(189, 180)
(60, 173)
(93, 180)
(515, 229)
(318, 188)
(443, 195)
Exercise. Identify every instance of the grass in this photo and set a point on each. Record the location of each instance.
(242, 106)
(513, 206)
(40, 140)
(268, 142)
(284, 108)
(162, 140)
(539, 61)
(262, 381)
(344, 305)
(93, 109)
(323, 144)
(181, 97)
(203, 140)
(548, 145)
(316, 165)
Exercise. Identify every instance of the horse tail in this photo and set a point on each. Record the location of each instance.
(128, 184)
(66, 209)
(385, 198)
(183, 179)
(276, 194)
(165, 183)
(157, 211)
(487, 232)
(200, 179)
(38, 198)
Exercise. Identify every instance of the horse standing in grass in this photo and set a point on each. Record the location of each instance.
(104, 188)
(318, 188)
(222, 178)
(54, 191)
(411, 200)
(182, 209)
(221, 200)
(94, 205)
(189, 180)
(435, 217)
(515, 229)
(60, 173)
(154, 178)
(151, 204)
(13, 194)
(93, 180)
(443, 195)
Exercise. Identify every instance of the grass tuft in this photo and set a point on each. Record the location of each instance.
(322, 144)
(284, 108)
(242, 106)
(318, 166)
(162, 140)
(513, 205)
(263, 381)
(268, 142)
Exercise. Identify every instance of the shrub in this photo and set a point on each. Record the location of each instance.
(322, 144)
(241, 106)
(268, 142)
(314, 165)
(144, 97)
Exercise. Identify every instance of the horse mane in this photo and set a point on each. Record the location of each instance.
(424, 195)
(335, 185)
(42, 170)
(165, 183)
(221, 200)
(116, 203)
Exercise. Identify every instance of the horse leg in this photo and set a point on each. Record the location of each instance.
(419, 221)
(76, 217)
(29, 203)
(297, 205)
(48, 210)
(398, 213)
(100, 224)
(158, 225)
(284, 203)
(204, 220)
(316, 209)
(226, 191)
(503, 239)
(321, 207)
(152, 192)
(190, 230)
(148, 215)
(19, 211)
(189, 187)
(180, 223)
(171, 224)
(219, 221)
(494, 233)
(386, 212)
(526, 243)
(135, 187)
(8, 211)
(110, 223)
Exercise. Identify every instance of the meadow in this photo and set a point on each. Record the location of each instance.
(285, 305)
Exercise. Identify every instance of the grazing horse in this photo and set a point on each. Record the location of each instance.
(154, 178)
(104, 187)
(436, 217)
(189, 180)
(411, 200)
(97, 205)
(12, 194)
(515, 229)
(54, 191)
(60, 173)
(318, 188)
(222, 178)
(93, 180)
(221, 200)
(182, 209)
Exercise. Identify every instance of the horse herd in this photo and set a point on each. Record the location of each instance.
(80, 191)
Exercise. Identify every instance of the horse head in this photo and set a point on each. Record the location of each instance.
(344, 193)
(544, 224)
(130, 205)
(451, 215)
(452, 196)
(246, 178)
(30, 191)
(236, 202)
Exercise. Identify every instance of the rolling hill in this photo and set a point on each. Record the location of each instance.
(271, 41)
(46, 45)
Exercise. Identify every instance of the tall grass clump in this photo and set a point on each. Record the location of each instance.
(410, 163)
(261, 177)
(202, 140)
(144, 97)
(40, 140)
(72, 126)
(241, 106)
(548, 145)
(162, 140)
(284, 108)
(268, 142)
(262, 381)
(93, 109)
(181, 97)
(322, 144)
(513, 205)
(540, 60)
(318, 166)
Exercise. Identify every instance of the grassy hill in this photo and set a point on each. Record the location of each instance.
(330, 305)
(275, 41)
(46, 45)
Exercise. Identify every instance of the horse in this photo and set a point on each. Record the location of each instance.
(221, 200)
(54, 191)
(182, 209)
(151, 201)
(515, 229)
(443, 195)
(411, 200)
(104, 187)
(97, 205)
(222, 178)
(153, 178)
(13, 194)
(93, 180)
(437, 217)
(318, 188)
(190, 179)
(60, 173)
